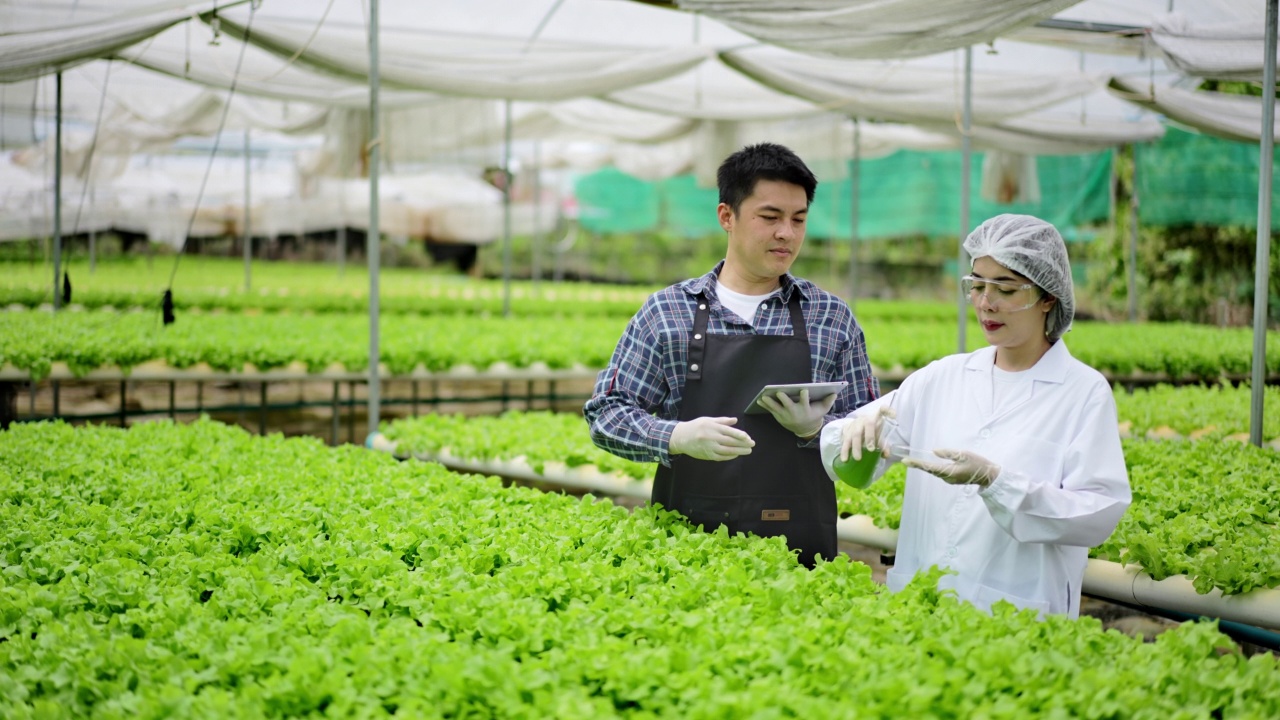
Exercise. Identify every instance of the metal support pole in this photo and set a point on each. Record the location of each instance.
(248, 236)
(57, 198)
(337, 415)
(506, 215)
(855, 190)
(342, 247)
(1262, 263)
(966, 153)
(535, 243)
(1132, 270)
(351, 412)
(373, 237)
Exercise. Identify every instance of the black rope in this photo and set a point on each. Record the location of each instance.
(167, 299)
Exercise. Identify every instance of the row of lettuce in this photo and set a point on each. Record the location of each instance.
(1205, 509)
(33, 341)
(216, 284)
(198, 571)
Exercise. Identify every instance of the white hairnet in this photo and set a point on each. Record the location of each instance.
(1032, 247)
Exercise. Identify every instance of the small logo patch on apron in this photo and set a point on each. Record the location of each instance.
(782, 515)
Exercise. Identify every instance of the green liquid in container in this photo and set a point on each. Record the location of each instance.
(857, 473)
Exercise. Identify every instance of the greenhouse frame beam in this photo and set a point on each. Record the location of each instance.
(374, 236)
(1262, 263)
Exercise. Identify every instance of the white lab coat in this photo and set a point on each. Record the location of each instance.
(1062, 486)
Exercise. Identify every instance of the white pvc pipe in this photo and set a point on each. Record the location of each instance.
(1126, 583)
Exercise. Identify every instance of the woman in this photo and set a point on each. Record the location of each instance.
(1028, 472)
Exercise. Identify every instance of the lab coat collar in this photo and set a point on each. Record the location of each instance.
(1052, 367)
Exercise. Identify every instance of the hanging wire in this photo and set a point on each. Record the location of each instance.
(86, 169)
(167, 299)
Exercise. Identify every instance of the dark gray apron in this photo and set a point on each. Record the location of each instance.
(780, 488)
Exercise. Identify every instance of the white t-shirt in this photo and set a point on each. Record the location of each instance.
(744, 306)
(1008, 388)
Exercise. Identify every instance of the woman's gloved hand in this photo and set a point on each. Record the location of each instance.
(863, 433)
(965, 468)
(801, 417)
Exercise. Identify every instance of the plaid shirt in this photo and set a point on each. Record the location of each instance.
(637, 397)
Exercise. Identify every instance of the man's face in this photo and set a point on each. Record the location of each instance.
(766, 233)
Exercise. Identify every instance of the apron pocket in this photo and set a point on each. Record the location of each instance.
(709, 511)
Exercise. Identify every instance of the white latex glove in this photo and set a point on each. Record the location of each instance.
(803, 418)
(864, 432)
(965, 468)
(710, 438)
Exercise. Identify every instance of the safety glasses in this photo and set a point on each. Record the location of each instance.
(1001, 296)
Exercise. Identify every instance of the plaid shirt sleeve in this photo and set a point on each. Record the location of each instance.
(839, 351)
(632, 411)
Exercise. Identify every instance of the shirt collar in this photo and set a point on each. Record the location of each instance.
(707, 283)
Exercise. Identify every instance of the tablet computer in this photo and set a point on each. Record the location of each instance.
(817, 391)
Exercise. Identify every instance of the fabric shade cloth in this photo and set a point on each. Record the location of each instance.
(875, 28)
(1232, 117)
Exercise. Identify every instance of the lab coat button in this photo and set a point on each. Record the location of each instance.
(951, 553)
(986, 433)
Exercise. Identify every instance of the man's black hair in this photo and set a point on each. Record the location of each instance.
(739, 173)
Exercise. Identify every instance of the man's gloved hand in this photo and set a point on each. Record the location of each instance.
(803, 418)
(965, 468)
(710, 438)
(863, 433)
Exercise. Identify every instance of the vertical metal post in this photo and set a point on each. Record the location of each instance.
(1132, 270)
(337, 415)
(248, 235)
(342, 247)
(506, 214)
(855, 190)
(351, 412)
(1262, 263)
(966, 152)
(373, 238)
(57, 196)
(535, 243)
(93, 240)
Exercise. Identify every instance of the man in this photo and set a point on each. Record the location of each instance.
(697, 352)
